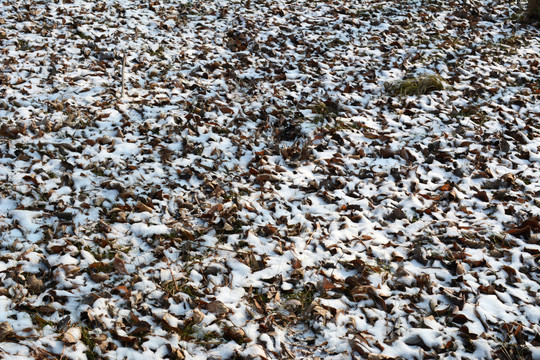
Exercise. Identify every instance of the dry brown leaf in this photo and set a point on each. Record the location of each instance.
(213, 209)
(6, 331)
(72, 335)
(218, 308)
(446, 187)
(318, 310)
(377, 299)
(327, 284)
(236, 334)
(262, 178)
(177, 354)
(122, 291)
(482, 195)
(34, 284)
(99, 277)
(380, 357)
(143, 207)
(120, 265)
(196, 317)
(460, 269)
(296, 264)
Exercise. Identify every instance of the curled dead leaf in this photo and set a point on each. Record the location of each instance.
(328, 285)
(6, 331)
(99, 277)
(176, 353)
(236, 334)
(296, 264)
(460, 269)
(319, 311)
(72, 335)
(196, 317)
(509, 178)
(46, 310)
(122, 291)
(377, 299)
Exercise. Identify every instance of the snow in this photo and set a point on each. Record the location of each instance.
(258, 158)
(146, 230)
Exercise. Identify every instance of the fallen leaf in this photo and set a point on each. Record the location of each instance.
(380, 357)
(460, 319)
(460, 269)
(377, 299)
(327, 284)
(120, 265)
(34, 284)
(218, 308)
(72, 335)
(99, 277)
(6, 331)
(196, 317)
(446, 187)
(143, 207)
(122, 291)
(236, 334)
(482, 195)
(318, 310)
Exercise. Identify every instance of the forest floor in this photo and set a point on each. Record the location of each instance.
(279, 179)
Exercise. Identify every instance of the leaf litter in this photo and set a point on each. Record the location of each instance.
(269, 180)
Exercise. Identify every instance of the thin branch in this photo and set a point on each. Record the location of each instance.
(123, 74)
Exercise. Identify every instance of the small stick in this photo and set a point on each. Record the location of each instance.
(123, 73)
(172, 275)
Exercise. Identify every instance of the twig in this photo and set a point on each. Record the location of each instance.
(317, 227)
(123, 73)
(42, 353)
(172, 275)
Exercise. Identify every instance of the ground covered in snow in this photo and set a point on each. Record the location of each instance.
(267, 187)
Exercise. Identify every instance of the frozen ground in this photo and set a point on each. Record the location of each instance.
(260, 192)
